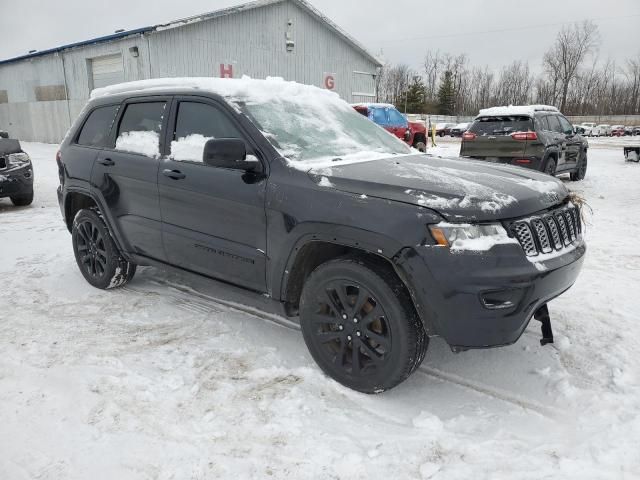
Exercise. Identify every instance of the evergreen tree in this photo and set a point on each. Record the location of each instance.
(415, 98)
(446, 95)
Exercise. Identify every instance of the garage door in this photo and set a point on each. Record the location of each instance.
(107, 70)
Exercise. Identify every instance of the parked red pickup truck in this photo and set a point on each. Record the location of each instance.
(388, 117)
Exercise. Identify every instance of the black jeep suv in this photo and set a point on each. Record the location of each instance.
(286, 191)
(536, 136)
(16, 172)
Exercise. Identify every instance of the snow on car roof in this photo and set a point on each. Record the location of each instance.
(373, 105)
(245, 88)
(528, 110)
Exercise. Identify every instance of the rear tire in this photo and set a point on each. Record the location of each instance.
(360, 325)
(97, 255)
(22, 200)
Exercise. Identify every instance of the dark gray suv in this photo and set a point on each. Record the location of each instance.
(537, 137)
(319, 214)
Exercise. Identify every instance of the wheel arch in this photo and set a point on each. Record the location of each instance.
(310, 253)
(76, 200)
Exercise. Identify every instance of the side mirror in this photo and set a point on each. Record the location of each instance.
(229, 153)
(3, 134)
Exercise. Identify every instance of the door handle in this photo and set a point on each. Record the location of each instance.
(107, 162)
(174, 174)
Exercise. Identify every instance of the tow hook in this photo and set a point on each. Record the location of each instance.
(542, 315)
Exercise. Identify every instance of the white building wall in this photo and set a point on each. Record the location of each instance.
(252, 42)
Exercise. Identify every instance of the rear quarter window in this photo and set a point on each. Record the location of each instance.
(96, 130)
(505, 125)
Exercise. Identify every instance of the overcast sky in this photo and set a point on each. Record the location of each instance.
(492, 32)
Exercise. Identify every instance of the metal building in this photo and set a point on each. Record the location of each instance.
(42, 93)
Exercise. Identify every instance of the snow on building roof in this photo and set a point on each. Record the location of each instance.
(208, 16)
(528, 110)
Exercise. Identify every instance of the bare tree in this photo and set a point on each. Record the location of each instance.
(562, 62)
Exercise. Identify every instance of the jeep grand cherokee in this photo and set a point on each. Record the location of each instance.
(286, 191)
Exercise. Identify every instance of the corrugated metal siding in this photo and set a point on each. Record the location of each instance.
(252, 41)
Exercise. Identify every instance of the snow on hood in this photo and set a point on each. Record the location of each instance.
(459, 189)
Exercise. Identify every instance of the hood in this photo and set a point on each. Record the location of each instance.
(458, 189)
(417, 127)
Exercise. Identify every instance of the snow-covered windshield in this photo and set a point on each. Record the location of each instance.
(321, 130)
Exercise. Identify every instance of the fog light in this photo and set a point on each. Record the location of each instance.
(501, 299)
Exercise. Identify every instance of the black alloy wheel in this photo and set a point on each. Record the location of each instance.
(360, 325)
(97, 255)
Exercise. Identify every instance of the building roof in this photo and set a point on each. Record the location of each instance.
(204, 17)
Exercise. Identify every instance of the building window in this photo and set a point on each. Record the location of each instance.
(105, 71)
(50, 93)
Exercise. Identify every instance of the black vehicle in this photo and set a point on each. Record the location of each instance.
(459, 129)
(16, 172)
(536, 137)
(373, 255)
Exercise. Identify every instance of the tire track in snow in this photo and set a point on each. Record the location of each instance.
(203, 305)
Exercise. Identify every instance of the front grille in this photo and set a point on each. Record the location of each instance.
(550, 232)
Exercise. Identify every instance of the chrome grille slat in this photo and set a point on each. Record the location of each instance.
(555, 233)
(548, 233)
(543, 236)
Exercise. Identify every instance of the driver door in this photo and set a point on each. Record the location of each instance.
(213, 219)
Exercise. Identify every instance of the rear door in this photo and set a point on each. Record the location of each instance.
(125, 175)
(493, 141)
(214, 219)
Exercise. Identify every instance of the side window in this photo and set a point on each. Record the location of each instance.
(139, 129)
(542, 123)
(567, 128)
(196, 124)
(96, 130)
(396, 118)
(379, 116)
(554, 124)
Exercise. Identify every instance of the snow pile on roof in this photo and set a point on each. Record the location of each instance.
(528, 110)
(373, 105)
(245, 88)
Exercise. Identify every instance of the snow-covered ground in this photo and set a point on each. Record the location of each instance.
(161, 381)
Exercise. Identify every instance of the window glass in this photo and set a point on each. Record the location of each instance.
(542, 123)
(96, 130)
(567, 128)
(140, 127)
(379, 116)
(196, 124)
(396, 118)
(505, 125)
(554, 124)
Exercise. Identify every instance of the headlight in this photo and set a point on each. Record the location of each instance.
(470, 237)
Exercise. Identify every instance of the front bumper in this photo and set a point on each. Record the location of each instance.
(16, 181)
(484, 299)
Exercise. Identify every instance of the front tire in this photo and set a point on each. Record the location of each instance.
(96, 253)
(22, 200)
(550, 167)
(360, 325)
(581, 171)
